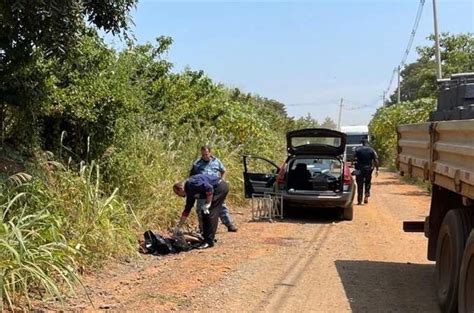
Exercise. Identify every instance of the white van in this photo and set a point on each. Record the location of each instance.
(354, 135)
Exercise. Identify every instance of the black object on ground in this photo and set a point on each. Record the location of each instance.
(157, 244)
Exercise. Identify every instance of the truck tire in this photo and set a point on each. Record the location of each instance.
(466, 278)
(450, 247)
(348, 214)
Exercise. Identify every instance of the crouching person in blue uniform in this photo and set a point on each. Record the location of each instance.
(213, 190)
(209, 164)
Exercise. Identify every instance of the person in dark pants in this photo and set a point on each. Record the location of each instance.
(211, 188)
(366, 159)
(209, 164)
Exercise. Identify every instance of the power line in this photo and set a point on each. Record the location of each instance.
(413, 33)
(319, 103)
(353, 106)
(409, 45)
(391, 81)
(358, 108)
(305, 104)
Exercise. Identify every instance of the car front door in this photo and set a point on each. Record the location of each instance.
(259, 175)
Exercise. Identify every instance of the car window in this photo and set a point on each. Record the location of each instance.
(255, 165)
(355, 139)
(320, 165)
(303, 141)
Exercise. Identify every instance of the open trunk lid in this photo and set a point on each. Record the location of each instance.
(317, 141)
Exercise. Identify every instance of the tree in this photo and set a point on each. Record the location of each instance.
(303, 122)
(54, 26)
(35, 32)
(383, 126)
(419, 78)
(328, 123)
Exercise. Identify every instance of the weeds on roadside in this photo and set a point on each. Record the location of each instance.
(146, 164)
(59, 219)
(53, 223)
(35, 258)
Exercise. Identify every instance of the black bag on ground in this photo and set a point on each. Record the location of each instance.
(156, 244)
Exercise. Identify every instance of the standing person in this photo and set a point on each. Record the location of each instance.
(209, 164)
(213, 190)
(366, 159)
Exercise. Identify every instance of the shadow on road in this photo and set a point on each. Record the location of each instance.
(311, 215)
(308, 216)
(415, 193)
(388, 287)
(388, 182)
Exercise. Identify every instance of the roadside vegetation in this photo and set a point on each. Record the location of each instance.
(93, 138)
(419, 91)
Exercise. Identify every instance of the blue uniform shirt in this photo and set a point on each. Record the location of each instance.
(212, 167)
(198, 186)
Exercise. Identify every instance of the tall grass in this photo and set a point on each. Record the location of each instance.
(97, 223)
(54, 223)
(149, 162)
(35, 258)
(59, 218)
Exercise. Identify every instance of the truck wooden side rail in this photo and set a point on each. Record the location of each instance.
(442, 152)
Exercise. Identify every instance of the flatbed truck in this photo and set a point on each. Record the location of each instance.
(441, 151)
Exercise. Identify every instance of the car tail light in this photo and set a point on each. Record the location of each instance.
(347, 176)
(347, 183)
(281, 175)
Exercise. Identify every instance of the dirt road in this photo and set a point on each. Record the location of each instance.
(310, 262)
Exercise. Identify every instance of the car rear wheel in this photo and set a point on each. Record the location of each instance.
(451, 241)
(348, 213)
(466, 278)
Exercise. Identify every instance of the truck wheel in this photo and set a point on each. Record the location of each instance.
(348, 213)
(466, 278)
(450, 247)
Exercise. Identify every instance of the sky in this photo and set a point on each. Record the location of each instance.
(305, 54)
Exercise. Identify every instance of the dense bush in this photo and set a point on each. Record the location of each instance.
(119, 128)
(383, 125)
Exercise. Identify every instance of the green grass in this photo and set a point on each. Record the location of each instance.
(59, 219)
(35, 258)
(54, 223)
(426, 185)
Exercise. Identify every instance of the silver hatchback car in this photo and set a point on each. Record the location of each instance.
(313, 175)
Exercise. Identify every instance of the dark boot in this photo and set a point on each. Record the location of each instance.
(232, 228)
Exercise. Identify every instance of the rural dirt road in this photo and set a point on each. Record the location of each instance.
(309, 262)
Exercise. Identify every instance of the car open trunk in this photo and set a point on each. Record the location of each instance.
(315, 175)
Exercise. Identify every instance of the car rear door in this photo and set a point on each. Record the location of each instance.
(316, 141)
(259, 175)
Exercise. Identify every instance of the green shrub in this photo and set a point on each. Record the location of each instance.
(383, 126)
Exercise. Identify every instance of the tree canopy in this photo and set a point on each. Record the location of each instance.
(419, 78)
(419, 90)
(54, 26)
(34, 33)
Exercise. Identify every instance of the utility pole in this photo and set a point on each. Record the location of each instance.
(383, 98)
(398, 92)
(340, 115)
(439, 74)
